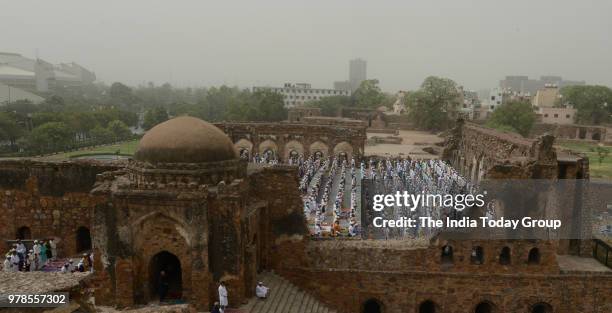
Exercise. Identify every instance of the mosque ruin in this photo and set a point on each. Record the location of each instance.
(189, 204)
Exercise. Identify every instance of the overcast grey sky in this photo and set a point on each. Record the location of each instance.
(245, 43)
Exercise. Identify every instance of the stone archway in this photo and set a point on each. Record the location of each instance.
(244, 148)
(24, 232)
(484, 307)
(158, 232)
(319, 146)
(372, 306)
(292, 149)
(268, 147)
(165, 277)
(343, 149)
(83, 239)
(428, 306)
(541, 307)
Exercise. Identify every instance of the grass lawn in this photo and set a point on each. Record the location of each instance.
(126, 148)
(597, 170)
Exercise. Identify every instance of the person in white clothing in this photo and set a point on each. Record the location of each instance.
(53, 248)
(261, 291)
(6, 266)
(223, 296)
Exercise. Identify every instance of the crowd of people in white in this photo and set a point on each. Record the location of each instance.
(39, 257)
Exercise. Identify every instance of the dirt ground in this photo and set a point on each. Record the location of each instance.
(412, 145)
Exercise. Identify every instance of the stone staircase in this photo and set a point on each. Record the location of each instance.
(284, 297)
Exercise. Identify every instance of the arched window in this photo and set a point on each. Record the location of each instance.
(484, 307)
(534, 256)
(427, 307)
(83, 239)
(372, 306)
(24, 232)
(447, 254)
(477, 256)
(541, 307)
(504, 256)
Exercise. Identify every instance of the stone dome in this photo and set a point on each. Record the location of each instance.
(185, 139)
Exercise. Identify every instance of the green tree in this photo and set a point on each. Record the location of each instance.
(434, 105)
(602, 153)
(52, 136)
(368, 95)
(154, 116)
(266, 106)
(593, 103)
(101, 135)
(330, 105)
(119, 130)
(9, 130)
(516, 116)
(121, 94)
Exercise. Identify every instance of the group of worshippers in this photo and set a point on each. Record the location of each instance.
(268, 157)
(19, 258)
(85, 264)
(415, 177)
(261, 291)
(319, 207)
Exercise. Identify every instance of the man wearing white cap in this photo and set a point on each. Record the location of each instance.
(261, 291)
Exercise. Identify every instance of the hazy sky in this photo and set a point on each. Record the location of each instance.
(257, 42)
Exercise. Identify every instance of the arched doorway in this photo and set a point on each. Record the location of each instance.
(534, 256)
(24, 232)
(427, 307)
(446, 256)
(504, 256)
(372, 306)
(172, 284)
(83, 239)
(484, 307)
(477, 256)
(541, 308)
(245, 154)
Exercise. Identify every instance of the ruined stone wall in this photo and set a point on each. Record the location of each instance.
(479, 152)
(347, 274)
(283, 218)
(51, 199)
(573, 132)
(306, 139)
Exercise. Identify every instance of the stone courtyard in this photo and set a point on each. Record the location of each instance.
(188, 204)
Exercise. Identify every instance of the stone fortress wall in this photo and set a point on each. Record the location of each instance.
(44, 200)
(405, 276)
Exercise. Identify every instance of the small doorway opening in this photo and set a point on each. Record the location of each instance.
(83, 239)
(427, 307)
(165, 275)
(372, 306)
(24, 232)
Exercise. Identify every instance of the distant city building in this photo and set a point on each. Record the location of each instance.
(562, 116)
(300, 93)
(10, 94)
(342, 85)
(524, 85)
(41, 76)
(546, 97)
(470, 104)
(398, 106)
(357, 73)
